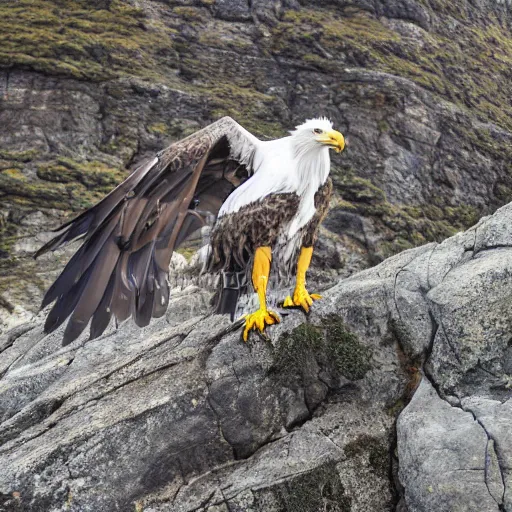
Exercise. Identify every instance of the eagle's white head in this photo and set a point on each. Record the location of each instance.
(317, 134)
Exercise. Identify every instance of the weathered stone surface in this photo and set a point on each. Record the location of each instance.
(471, 308)
(442, 454)
(495, 418)
(183, 416)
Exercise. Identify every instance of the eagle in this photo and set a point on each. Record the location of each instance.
(264, 200)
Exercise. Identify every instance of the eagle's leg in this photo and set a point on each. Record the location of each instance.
(301, 296)
(260, 272)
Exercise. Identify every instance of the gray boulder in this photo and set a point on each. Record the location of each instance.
(393, 394)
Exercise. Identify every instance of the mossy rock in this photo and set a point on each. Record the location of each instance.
(372, 447)
(330, 344)
(18, 156)
(345, 352)
(456, 68)
(64, 184)
(408, 226)
(316, 490)
(82, 40)
(158, 128)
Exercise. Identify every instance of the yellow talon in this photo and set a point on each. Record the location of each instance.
(301, 298)
(288, 302)
(258, 321)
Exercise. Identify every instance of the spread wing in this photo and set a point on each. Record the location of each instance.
(128, 238)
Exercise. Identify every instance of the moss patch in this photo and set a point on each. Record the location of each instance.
(295, 351)
(344, 350)
(75, 38)
(158, 128)
(373, 448)
(64, 184)
(18, 156)
(470, 70)
(330, 345)
(316, 490)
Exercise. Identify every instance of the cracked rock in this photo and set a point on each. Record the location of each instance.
(442, 454)
(186, 417)
(495, 418)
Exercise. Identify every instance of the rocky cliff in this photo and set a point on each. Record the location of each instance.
(421, 88)
(393, 395)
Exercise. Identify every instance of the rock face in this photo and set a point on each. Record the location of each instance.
(88, 88)
(394, 394)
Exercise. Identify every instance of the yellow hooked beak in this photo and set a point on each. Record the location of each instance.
(333, 139)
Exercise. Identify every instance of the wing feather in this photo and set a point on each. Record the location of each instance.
(93, 292)
(161, 293)
(123, 294)
(103, 313)
(91, 219)
(79, 263)
(128, 238)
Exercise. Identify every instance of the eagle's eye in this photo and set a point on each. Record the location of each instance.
(317, 131)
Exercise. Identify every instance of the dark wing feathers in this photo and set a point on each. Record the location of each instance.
(95, 287)
(91, 219)
(103, 313)
(79, 263)
(128, 238)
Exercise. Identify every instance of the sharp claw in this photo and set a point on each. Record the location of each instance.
(288, 302)
(276, 319)
(301, 298)
(258, 321)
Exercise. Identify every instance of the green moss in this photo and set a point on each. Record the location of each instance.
(71, 37)
(19, 156)
(372, 447)
(8, 230)
(354, 188)
(394, 410)
(187, 252)
(189, 13)
(406, 226)
(158, 128)
(331, 344)
(470, 70)
(11, 276)
(247, 106)
(383, 126)
(345, 352)
(294, 352)
(225, 40)
(64, 184)
(316, 490)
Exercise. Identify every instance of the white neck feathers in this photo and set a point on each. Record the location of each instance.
(312, 168)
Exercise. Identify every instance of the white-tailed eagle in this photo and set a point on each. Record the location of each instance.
(268, 198)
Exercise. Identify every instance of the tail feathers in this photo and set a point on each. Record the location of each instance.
(233, 284)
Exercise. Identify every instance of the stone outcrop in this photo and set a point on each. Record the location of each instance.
(393, 394)
(421, 90)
